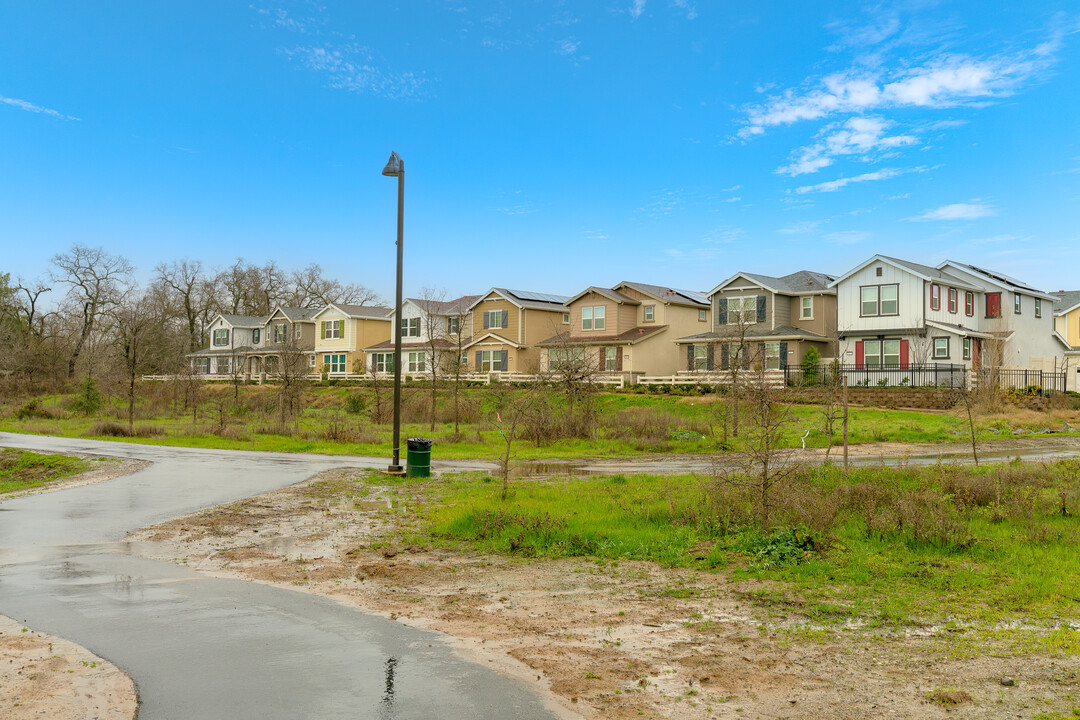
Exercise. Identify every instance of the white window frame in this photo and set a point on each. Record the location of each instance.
(331, 329)
(313, 359)
(1038, 307)
(742, 309)
(701, 357)
(650, 313)
(335, 362)
(879, 353)
(410, 327)
(416, 361)
(806, 310)
(281, 332)
(969, 304)
(772, 356)
(966, 345)
(1018, 304)
(594, 317)
(878, 300)
(611, 359)
(702, 316)
(566, 318)
(453, 325)
(382, 362)
(224, 335)
(941, 352)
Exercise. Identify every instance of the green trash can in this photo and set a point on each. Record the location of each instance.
(418, 457)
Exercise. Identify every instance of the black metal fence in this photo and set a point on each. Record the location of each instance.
(911, 375)
(1026, 382)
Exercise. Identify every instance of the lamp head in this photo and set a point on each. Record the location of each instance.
(394, 166)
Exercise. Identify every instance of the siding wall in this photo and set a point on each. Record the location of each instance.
(910, 299)
(496, 302)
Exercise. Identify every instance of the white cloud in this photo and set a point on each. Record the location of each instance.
(30, 107)
(858, 136)
(957, 211)
(637, 8)
(733, 188)
(834, 185)
(568, 47)
(687, 7)
(354, 68)
(732, 199)
(800, 228)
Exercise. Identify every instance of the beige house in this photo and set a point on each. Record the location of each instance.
(629, 329)
(1067, 327)
(508, 324)
(776, 319)
(287, 329)
(342, 332)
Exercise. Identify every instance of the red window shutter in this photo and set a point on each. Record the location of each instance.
(859, 353)
(903, 353)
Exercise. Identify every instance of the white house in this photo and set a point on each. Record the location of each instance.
(892, 313)
(426, 325)
(232, 339)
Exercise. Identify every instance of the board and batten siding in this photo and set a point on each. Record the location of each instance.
(910, 294)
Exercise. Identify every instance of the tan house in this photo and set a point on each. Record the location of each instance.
(629, 329)
(342, 332)
(1067, 327)
(776, 319)
(427, 327)
(287, 329)
(508, 324)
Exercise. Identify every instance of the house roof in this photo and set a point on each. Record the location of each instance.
(609, 294)
(923, 271)
(784, 332)
(527, 299)
(675, 296)
(1066, 301)
(800, 282)
(216, 352)
(294, 314)
(439, 343)
(631, 336)
(363, 312)
(998, 278)
(243, 321)
(457, 306)
(494, 336)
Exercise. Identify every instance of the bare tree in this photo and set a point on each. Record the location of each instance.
(138, 334)
(459, 323)
(292, 370)
(573, 369)
(738, 355)
(512, 408)
(189, 289)
(96, 282)
(434, 332)
(311, 288)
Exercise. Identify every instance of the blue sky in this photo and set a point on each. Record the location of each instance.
(548, 145)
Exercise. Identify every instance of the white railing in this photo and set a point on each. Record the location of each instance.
(772, 378)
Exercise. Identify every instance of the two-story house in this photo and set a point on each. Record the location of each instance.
(1067, 326)
(233, 339)
(508, 324)
(288, 330)
(431, 331)
(767, 320)
(630, 329)
(343, 331)
(892, 313)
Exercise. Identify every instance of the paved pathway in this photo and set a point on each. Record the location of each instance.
(202, 648)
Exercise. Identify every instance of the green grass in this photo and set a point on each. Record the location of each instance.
(22, 470)
(989, 565)
(685, 424)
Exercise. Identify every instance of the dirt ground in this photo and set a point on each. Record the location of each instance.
(47, 677)
(607, 640)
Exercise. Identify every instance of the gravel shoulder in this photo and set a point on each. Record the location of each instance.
(611, 640)
(42, 676)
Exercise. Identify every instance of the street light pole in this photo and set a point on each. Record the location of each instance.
(395, 167)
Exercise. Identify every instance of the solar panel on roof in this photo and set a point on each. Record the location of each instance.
(539, 297)
(1003, 277)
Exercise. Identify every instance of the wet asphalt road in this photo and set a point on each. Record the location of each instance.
(202, 648)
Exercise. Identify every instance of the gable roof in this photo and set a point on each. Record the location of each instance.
(1000, 279)
(693, 298)
(457, 306)
(527, 299)
(362, 312)
(800, 282)
(922, 271)
(241, 321)
(1066, 301)
(293, 314)
(609, 294)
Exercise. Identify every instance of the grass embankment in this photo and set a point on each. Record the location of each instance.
(878, 546)
(337, 420)
(22, 470)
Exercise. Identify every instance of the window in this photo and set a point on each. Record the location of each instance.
(565, 358)
(879, 300)
(967, 348)
(496, 319)
(941, 348)
(334, 363)
(202, 365)
(1038, 308)
(312, 360)
(221, 337)
(935, 296)
(881, 353)
(410, 327)
(993, 305)
(877, 272)
(742, 310)
(772, 356)
(611, 359)
(701, 357)
(702, 316)
(492, 360)
(566, 318)
(416, 362)
(331, 329)
(969, 303)
(453, 325)
(224, 366)
(281, 332)
(650, 311)
(1016, 303)
(806, 310)
(954, 300)
(256, 336)
(382, 362)
(592, 318)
